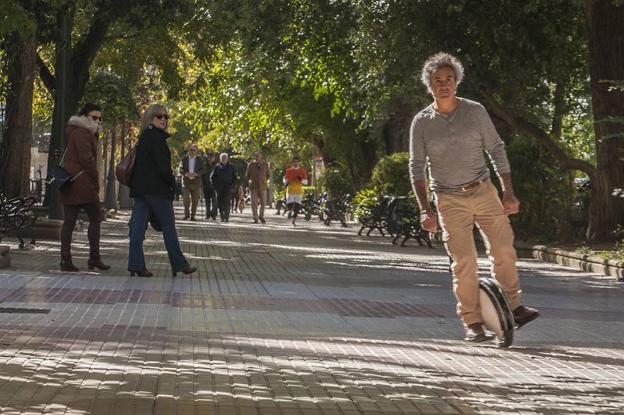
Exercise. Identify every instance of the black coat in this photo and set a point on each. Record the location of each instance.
(152, 174)
(223, 176)
(209, 167)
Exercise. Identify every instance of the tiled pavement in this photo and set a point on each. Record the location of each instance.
(311, 320)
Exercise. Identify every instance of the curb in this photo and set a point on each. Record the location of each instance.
(575, 260)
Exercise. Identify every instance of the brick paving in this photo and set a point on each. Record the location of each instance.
(311, 320)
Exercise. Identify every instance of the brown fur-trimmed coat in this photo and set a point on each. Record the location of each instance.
(81, 136)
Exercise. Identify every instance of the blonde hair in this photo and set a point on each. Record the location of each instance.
(149, 114)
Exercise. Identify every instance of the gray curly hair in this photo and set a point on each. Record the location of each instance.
(441, 60)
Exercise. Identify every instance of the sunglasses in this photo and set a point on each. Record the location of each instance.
(95, 118)
(162, 116)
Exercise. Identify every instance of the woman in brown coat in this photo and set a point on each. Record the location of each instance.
(80, 160)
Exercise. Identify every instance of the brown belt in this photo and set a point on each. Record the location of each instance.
(473, 185)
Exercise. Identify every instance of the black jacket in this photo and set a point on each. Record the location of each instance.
(209, 167)
(200, 169)
(152, 174)
(223, 176)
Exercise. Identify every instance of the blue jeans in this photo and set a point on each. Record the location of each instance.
(162, 209)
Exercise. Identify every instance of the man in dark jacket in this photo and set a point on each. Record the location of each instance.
(210, 196)
(223, 178)
(191, 168)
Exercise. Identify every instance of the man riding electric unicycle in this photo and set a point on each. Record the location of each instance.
(451, 135)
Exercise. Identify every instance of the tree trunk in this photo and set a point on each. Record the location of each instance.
(110, 201)
(15, 169)
(606, 63)
(396, 132)
(62, 106)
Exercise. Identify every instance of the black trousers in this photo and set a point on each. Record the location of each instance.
(224, 194)
(69, 223)
(210, 197)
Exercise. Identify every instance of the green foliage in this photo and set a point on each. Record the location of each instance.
(279, 194)
(390, 175)
(15, 19)
(616, 253)
(336, 182)
(364, 202)
(546, 196)
(113, 95)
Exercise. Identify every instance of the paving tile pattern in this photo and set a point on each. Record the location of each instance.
(282, 320)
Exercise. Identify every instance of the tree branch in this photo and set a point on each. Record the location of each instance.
(46, 76)
(538, 133)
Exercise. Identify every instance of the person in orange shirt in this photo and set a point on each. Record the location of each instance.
(294, 179)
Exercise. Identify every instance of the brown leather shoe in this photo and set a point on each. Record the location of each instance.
(523, 315)
(476, 334)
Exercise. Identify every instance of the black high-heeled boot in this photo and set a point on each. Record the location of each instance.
(141, 273)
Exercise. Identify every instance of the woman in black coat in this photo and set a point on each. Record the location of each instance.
(153, 188)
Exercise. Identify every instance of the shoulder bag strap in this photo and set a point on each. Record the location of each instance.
(61, 165)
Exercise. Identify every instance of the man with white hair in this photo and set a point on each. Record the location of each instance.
(223, 178)
(451, 135)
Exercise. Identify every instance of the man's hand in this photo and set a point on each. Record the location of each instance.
(429, 221)
(510, 203)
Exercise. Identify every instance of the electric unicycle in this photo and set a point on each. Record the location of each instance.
(495, 311)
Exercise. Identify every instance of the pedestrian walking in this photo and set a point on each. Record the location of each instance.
(153, 188)
(80, 161)
(452, 134)
(192, 168)
(223, 178)
(257, 175)
(294, 179)
(210, 195)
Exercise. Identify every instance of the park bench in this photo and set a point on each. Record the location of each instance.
(336, 210)
(313, 206)
(403, 220)
(16, 216)
(280, 207)
(376, 218)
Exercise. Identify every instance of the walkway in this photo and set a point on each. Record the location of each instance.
(286, 321)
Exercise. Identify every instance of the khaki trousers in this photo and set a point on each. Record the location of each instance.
(190, 197)
(458, 214)
(258, 198)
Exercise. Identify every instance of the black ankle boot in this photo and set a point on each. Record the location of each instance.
(97, 263)
(67, 265)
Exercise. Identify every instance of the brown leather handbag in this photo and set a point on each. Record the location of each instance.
(124, 169)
